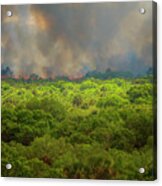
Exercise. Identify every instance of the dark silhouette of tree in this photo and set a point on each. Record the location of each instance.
(149, 71)
(108, 70)
(34, 77)
(6, 71)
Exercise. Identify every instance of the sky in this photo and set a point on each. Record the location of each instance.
(72, 39)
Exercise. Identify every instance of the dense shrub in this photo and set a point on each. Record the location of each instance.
(98, 129)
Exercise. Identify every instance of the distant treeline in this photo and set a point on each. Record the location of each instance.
(6, 73)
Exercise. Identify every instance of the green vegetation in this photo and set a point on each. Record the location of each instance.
(98, 129)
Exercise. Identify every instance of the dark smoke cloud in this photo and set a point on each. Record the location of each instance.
(72, 39)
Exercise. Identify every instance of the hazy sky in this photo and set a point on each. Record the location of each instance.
(72, 39)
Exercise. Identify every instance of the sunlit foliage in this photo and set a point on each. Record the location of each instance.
(98, 129)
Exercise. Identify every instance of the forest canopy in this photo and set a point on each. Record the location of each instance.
(98, 129)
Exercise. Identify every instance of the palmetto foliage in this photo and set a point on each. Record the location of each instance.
(98, 129)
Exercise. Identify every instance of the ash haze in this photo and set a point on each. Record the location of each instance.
(73, 39)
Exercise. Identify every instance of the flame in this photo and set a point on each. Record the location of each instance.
(39, 20)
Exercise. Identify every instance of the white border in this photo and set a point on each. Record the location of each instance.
(5, 2)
